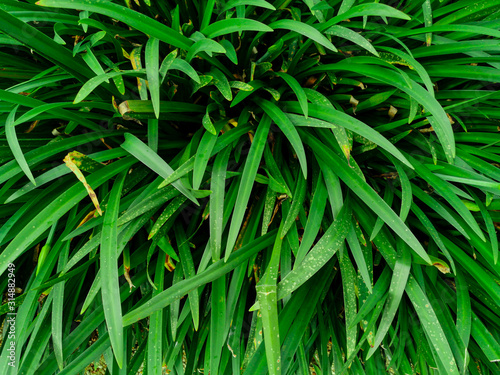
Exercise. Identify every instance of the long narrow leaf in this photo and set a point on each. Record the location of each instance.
(10, 134)
(109, 266)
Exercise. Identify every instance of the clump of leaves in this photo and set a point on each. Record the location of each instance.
(251, 186)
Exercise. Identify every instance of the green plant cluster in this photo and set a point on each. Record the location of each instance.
(250, 186)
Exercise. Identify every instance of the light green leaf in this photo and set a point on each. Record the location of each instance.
(287, 128)
(344, 32)
(297, 89)
(152, 56)
(304, 29)
(204, 45)
(247, 181)
(94, 82)
(110, 289)
(232, 25)
(151, 159)
(10, 134)
(131, 18)
(256, 3)
(396, 290)
(323, 251)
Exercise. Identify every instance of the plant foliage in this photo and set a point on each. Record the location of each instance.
(250, 186)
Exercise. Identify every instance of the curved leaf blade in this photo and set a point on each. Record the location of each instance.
(304, 29)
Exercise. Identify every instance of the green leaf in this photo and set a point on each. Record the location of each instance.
(388, 198)
(34, 103)
(276, 180)
(179, 172)
(207, 123)
(151, 159)
(396, 290)
(287, 128)
(152, 72)
(331, 117)
(58, 304)
(427, 10)
(323, 251)
(213, 272)
(247, 180)
(143, 109)
(489, 226)
(299, 195)
(437, 207)
(131, 18)
(94, 82)
(266, 295)
(422, 72)
(349, 291)
(38, 41)
(407, 196)
(304, 29)
(368, 9)
(189, 274)
(94, 351)
(220, 81)
(170, 210)
(434, 331)
(204, 81)
(242, 95)
(217, 186)
(34, 112)
(203, 153)
(346, 5)
(12, 168)
(432, 231)
(217, 322)
(359, 257)
(183, 66)
(441, 187)
(442, 123)
(232, 25)
(167, 63)
(333, 113)
(464, 313)
(256, 3)
(314, 219)
(207, 13)
(230, 51)
(155, 352)
(92, 62)
(10, 134)
(367, 194)
(344, 32)
(297, 89)
(469, 10)
(204, 45)
(240, 86)
(110, 289)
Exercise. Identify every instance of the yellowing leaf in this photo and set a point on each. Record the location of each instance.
(74, 168)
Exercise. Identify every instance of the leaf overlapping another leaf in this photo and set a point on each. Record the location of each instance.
(291, 186)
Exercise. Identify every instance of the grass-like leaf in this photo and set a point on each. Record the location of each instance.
(143, 153)
(396, 290)
(229, 26)
(109, 266)
(249, 173)
(152, 68)
(288, 129)
(136, 20)
(333, 165)
(10, 134)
